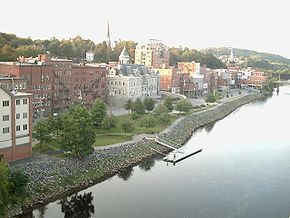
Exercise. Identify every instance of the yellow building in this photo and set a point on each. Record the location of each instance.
(155, 55)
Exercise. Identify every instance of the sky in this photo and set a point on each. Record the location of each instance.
(250, 24)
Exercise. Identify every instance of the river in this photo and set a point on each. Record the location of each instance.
(243, 171)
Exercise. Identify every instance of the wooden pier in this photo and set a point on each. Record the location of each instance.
(177, 154)
(173, 158)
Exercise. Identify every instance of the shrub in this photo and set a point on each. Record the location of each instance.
(148, 121)
(135, 115)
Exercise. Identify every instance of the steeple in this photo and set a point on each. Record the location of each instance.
(108, 36)
(232, 59)
(124, 57)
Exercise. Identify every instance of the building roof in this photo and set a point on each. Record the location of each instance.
(133, 70)
(124, 53)
(14, 93)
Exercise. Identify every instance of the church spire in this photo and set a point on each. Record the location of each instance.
(108, 36)
(232, 59)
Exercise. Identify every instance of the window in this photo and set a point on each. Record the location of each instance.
(25, 115)
(5, 103)
(25, 101)
(5, 130)
(17, 116)
(18, 102)
(5, 118)
(1, 157)
(25, 127)
(17, 128)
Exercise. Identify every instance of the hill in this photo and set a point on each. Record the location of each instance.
(75, 48)
(249, 58)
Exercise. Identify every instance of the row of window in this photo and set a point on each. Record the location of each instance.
(43, 95)
(112, 82)
(24, 115)
(40, 103)
(16, 86)
(24, 101)
(41, 87)
(18, 102)
(6, 117)
(6, 130)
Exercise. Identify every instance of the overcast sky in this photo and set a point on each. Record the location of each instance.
(252, 24)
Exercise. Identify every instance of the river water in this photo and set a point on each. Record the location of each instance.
(243, 171)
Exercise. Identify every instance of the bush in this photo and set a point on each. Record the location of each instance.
(164, 119)
(135, 115)
(161, 109)
(148, 121)
(149, 104)
(183, 105)
(212, 97)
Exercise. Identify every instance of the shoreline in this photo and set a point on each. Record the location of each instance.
(109, 162)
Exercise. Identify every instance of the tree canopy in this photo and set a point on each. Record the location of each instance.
(78, 133)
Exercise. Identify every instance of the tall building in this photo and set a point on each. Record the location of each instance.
(155, 54)
(15, 124)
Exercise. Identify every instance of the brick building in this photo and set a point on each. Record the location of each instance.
(165, 78)
(15, 125)
(57, 83)
(155, 54)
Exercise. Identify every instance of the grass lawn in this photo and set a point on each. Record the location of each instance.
(42, 148)
(137, 123)
(106, 139)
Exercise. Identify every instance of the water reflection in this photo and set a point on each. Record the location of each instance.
(147, 164)
(208, 128)
(126, 174)
(78, 206)
(42, 211)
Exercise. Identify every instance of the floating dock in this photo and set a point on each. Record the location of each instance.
(173, 158)
(177, 154)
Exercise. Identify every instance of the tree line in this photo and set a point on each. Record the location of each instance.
(12, 187)
(11, 47)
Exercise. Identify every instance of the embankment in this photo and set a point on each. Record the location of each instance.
(53, 178)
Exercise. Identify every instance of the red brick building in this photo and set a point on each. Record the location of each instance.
(56, 82)
(88, 83)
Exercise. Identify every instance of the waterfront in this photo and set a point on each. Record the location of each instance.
(243, 171)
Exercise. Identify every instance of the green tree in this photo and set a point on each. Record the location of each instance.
(99, 112)
(78, 134)
(129, 105)
(127, 126)
(4, 188)
(161, 109)
(17, 182)
(8, 53)
(148, 121)
(212, 97)
(168, 103)
(103, 53)
(149, 104)
(109, 123)
(183, 105)
(138, 106)
(164, 119)
(41, 131)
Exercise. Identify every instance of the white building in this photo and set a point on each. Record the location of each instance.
(15, 125)
(90, 56)
(131, 81)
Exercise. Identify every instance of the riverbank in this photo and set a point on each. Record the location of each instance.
(53, 178)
